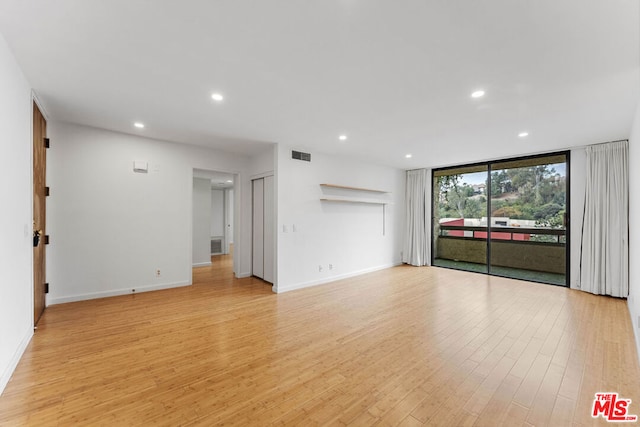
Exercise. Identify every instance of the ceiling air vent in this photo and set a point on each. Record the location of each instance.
(299, 155)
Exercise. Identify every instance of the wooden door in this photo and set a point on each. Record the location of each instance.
(39, 211)
(258, 228)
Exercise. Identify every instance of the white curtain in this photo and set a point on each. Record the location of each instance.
(604, 258)
(417, 235)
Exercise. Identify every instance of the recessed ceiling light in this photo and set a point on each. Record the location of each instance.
(229, 181)
(477, 94)
(408, 156)
(342, 137)
(139, 125)
(217, 97)
(523, 134)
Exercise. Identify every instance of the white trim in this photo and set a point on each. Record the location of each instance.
(261, 175)
(117, 292)
(201, 264)
(237, 219)
(13, 363)
(190, 220)
(30, 219)
(35, 98)
(635, 327)
(243, 275)
(280, 289)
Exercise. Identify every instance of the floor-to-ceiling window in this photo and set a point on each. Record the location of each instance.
(506, 218)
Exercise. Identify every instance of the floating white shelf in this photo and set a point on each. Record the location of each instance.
(345, 187)
(333, 199)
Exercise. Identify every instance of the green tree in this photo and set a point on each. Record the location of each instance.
(456, 199)
(500, 183)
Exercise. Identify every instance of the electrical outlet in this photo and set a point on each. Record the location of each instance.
(330, 266)
(158, 273)
(319, 269)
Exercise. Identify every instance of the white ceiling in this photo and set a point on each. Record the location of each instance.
(395, 76)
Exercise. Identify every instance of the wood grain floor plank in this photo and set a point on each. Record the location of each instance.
(544, 400)
(403, 346)
(409, 421)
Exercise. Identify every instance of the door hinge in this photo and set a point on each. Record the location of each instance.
(46, 239)
(47, 191)
(46, 288)
(47, 144)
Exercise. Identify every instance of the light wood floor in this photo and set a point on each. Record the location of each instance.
(405, 346)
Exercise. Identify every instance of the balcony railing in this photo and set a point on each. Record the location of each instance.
(536, 249)
(499, 232)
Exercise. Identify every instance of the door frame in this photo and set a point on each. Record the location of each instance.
(35, 103)
(238, 246)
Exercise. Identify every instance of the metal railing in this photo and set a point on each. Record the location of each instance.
(558, 233)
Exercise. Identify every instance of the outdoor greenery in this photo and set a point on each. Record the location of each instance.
(529, 193)
(458, 199)
(523, 197)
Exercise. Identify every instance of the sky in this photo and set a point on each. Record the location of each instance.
(481, 177)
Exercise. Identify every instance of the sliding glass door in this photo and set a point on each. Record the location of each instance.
(460, 214)
(506, 218)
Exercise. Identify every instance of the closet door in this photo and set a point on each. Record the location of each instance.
(258, 228)
(269, 230)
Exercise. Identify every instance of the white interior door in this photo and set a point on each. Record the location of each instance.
(229, 211)
(258, 228)
(269, 230)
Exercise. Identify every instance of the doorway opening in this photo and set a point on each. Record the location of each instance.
(213, 225)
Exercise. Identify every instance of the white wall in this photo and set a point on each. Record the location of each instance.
(201, 238)
(263, 163)
(634, 229)
(349, 236)
(217, 212)
(110, 228)
(16, 252)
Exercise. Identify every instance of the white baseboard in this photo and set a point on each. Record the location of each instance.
(280, 289)
(243, 275)
(115, 292)
(201, 264)
(13, 363)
